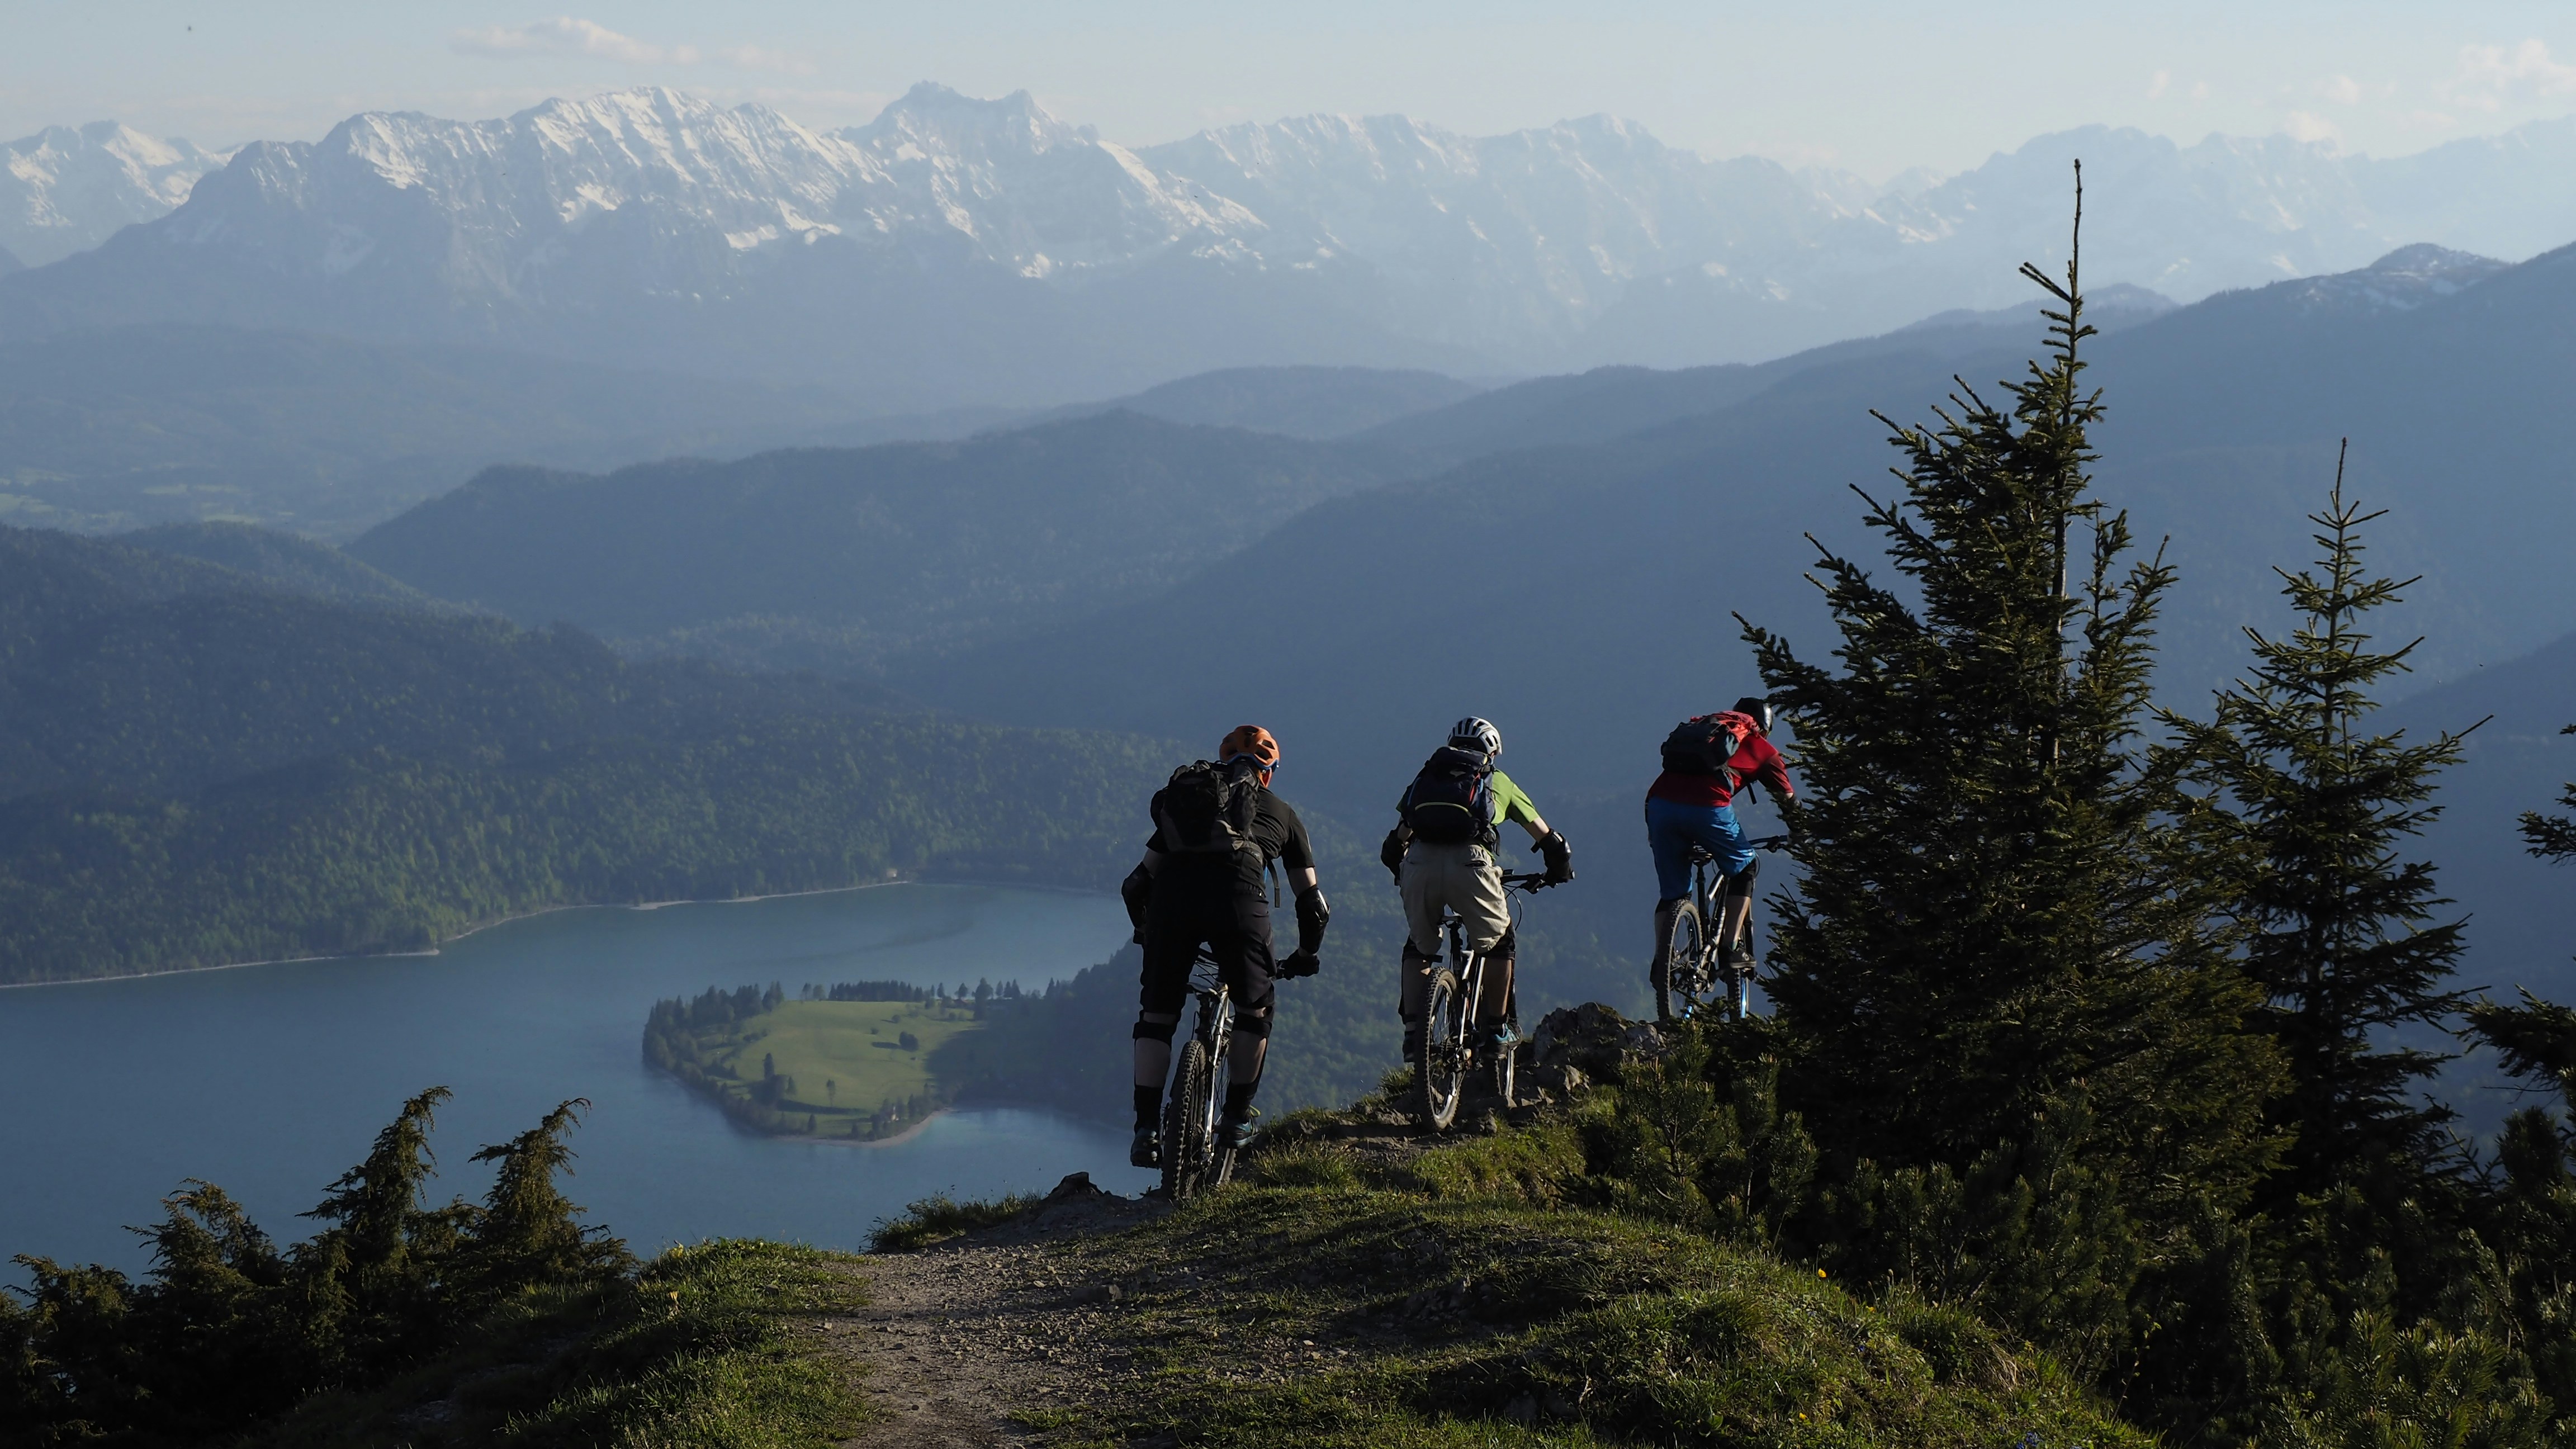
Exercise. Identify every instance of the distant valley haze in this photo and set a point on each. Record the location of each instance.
(750, 352)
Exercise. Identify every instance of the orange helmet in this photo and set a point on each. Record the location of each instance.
(1252, 741)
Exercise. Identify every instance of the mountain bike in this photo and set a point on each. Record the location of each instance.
(1193, 1160)
(1448, 1052)
(1691, 979)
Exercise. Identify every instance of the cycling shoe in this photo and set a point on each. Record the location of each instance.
(1146, 1150)
(1237, 1134)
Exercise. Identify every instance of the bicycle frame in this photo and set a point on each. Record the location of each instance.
(1215, 1027)
(1193, 1158)
(1448, 1052)
(1708, 898)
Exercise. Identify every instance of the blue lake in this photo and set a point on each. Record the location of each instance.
(271, 1080)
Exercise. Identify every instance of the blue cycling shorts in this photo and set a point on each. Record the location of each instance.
(1671, 831)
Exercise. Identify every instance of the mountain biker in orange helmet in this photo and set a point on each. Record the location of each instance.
(1217, 829)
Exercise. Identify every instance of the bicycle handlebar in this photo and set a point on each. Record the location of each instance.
(1769, 842)
(1531, 881)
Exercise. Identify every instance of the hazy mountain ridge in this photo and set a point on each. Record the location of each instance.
(1315, 403)
(958, 250)
(835, 558)
(114, 428)
(282, 561)
(2517, 760)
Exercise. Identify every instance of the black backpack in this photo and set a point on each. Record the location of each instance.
(1208, 810)
(1452, 801)
(1701, 747)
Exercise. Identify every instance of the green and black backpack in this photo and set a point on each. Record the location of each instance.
(1451, 801)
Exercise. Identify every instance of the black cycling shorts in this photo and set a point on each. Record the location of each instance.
(1236, 930)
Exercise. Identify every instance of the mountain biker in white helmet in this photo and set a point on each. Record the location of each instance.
(1442, 852)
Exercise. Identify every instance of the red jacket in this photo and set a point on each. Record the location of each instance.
(1754, 759)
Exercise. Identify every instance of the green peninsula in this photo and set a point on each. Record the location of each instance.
(860, 1060)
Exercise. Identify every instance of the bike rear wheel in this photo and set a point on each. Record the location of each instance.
(1440, 1063)
(1189, 1124)
(1685, 984)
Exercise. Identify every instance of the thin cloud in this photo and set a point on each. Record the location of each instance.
(2342, 89)
(2492, 75)
(571, 35)
(566, 35)
(2158, 84)
(753, 57)
(2309, 126)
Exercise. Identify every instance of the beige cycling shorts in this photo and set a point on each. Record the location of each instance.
(1462, 878)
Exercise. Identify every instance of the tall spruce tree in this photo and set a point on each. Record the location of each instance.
(1994, 914)
(2338, 926)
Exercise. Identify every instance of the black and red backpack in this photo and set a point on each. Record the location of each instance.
(1702, 744)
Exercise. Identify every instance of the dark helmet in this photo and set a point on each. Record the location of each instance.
(1757, 707)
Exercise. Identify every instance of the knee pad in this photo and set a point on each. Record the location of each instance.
(1252, 1025)
(1506, 946)
(1161, 1031)
(1741, 883)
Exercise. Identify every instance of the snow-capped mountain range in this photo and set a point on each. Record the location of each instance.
(965, 250)
(64, 190)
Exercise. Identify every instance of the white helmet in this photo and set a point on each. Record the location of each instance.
(1477, 734)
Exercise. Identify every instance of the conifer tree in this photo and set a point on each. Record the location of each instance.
(529, 1234)
(370, 1283)
(2338, 926)
(1992, 913)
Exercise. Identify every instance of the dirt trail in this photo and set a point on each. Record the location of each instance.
(959, 1337)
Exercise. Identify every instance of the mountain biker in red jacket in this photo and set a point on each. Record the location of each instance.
(1692, 803)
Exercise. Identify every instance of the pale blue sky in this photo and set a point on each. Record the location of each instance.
(1874, 88)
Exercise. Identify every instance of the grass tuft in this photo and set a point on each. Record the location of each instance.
(1531, 1166)
(1480, 1314)
(1304, 1164)
(939, 1218)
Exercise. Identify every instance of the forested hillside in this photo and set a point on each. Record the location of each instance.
(199, 769)
(837, 558)
(287, 562)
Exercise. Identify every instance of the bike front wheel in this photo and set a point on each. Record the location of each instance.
(1440, 1063)
(1685, 983)
(1189, 1124)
